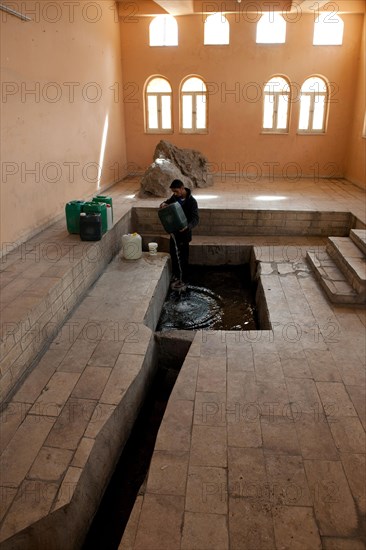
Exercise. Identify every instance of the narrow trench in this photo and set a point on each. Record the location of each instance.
(173, 341)
(128, 479)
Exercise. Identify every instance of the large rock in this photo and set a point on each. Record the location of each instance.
(158, 177)
(170, 163)
(190, 162)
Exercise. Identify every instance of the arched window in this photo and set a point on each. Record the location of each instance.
(313, 102)
(163, 31)
(271, 29)
(193, 105)
(158, 106)
(217, 29)
(276, 105)
(328, 30)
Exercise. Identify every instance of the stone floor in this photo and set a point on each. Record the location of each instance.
(262, 445)
(263, 441)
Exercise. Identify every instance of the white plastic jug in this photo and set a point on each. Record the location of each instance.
(109, 217)
(132, 246)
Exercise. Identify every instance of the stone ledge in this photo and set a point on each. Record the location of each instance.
(26, 321)
(359, 238)
(333, 281)
(64, 432)
(350, 259)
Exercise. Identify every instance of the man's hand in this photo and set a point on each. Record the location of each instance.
(163, 205)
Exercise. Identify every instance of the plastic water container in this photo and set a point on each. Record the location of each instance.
(132, 246)
(90, 227)
(109, 217)
(72, 211)
(172, 217)
(97, 208)
(105, 199)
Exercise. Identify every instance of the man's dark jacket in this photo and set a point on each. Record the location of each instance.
(190, 208)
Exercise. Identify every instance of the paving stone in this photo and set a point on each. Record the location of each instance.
(32, 502)
(250, 525)
(210, 409)
(322, 365)
(272, 397)
(124, 373)
(358, 398)
(204, 531)
(185, 386)
(296, 366)
(349, 365)
(295, 528)
(208, 446)
(279, 435)
(348, 434)
(334, 543)
(241, 389)
(137, 339)
(207, 490)
(287, 480)
(212, 344)
(129, 535)
(168, 473)
(161, 522)
(55, 394)
(91, 383)
(335, 400)
(334, 507)
(71, 424)
(304, 394)
(100, 417)
(247, 474)
(355, 469)
(83, 451)
(67, 489)
(38, 378)
(175, 430)
(315, 439)
(78, 355)
(268, 366)
(211, 374)
(12, 415)
(243, 431)
(105, 354)
(8, 492)
(50, 464)
(23, 448)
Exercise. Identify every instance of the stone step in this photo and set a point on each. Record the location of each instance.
(332, 280)
(359, 238)
(350, 260)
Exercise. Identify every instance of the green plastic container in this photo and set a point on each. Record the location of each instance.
(105, 199)
(72, 211)
(97, 208)
(172, 217)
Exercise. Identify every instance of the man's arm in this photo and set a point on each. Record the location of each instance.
(168, 201)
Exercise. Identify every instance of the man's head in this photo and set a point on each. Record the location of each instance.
(177, 188)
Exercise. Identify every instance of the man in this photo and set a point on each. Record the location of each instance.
(182, 238)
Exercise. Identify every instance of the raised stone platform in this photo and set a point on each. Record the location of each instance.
(239, 221)
(63, 430)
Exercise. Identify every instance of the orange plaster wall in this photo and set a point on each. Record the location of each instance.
(52, 139)
(356, 158)
(234, 142)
